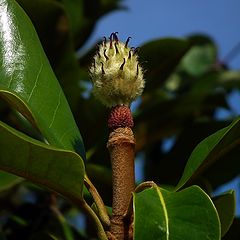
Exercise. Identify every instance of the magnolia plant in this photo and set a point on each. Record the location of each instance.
(41, 144)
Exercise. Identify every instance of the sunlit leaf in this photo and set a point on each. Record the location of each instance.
(164, 215)
(28, 83)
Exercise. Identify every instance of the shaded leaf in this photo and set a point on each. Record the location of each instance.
(83, 16)
(28, 83)
(8, 180)
(230, 79)
(160, 164)
(210, 150)
(59, 170)
(188, 214)
(160, 57)
(226, 168)
(199, 60)
(225, 205)
(234, 231)
(101, 177)
(164, 115)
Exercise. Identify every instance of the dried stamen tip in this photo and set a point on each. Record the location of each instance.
(136, 50)
(105, 55)
(129, 55)
(116, 48)
(126, 44)
(111, 36)
(115, 37)
(104, 41)
(121, 67)
(103, 72)
(111, 39)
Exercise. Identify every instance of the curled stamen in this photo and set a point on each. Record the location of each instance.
(116, 48)
(136, 50)
(126, 44)
(104, 41)
(94, 63)
(105, 55)
(129, 55)
(111, 39)
(121, 67)
(115, 37)
(103, 72)
(111, 36)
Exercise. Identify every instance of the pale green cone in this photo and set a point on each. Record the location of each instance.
(116, 74)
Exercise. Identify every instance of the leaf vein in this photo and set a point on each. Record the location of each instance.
(165, 212)
(55, 111)
(35, 84)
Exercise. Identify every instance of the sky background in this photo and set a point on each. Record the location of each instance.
(146, 20)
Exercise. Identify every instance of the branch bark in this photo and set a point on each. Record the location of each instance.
(121, 146)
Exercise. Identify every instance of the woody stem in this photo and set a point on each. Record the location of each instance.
(121, 145)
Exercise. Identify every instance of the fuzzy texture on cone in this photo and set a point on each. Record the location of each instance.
(116, 73)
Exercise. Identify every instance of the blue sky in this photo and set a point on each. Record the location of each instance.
(147, 20)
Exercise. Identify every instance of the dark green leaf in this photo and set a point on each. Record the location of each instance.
(234, 231)
(8, 180)
(83, 16)
(210, 150)
(28, 83)
(230, 79)
(159, 165)
(225, 205)
(188, 214)
(199, 59)
(160, 57)
(225, 169)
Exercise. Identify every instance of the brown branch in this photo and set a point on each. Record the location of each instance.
(121, 145)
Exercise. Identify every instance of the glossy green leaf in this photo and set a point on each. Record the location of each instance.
(225, 205)
(59, 170)
(210, 150)
(28, 83)
(163, 215)
(160, 57)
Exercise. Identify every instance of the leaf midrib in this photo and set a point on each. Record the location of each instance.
(164, 210)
